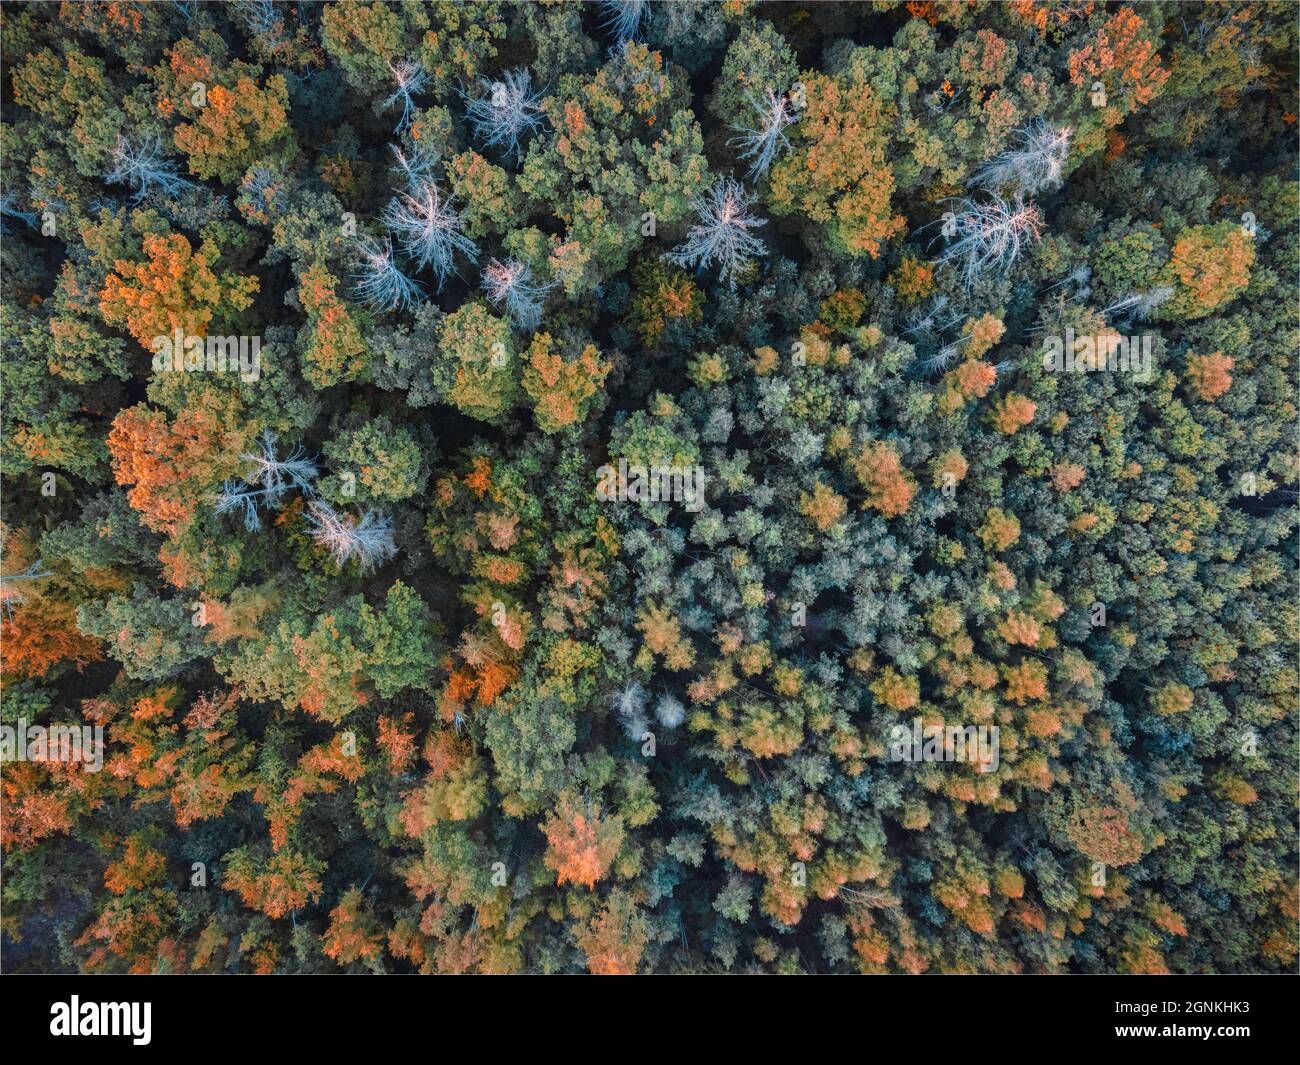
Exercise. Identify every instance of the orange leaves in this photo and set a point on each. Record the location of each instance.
(1210, 265)
(615, 938)
(986, 60)
(479, 478)
(1020, 628)
(336, 350)
(560, 388)
(663, 636)
(768, 732)
(353, 934)
(1066, 476)
(123, 20)
(197, 796)
(483, 188)
(838, 172)
(873, 948)
(1122, 49)
(460, 687)
(1026, 681)
(581, 846)
(972, 379)
(1013, 412)
(923, 9)
(984, 334)
(331, 681)
(444, 750)
(505, 571)
(318, 772)
(765, 361)
(204, 774)
(1172, 698)
(237, 619)
(879, 470)
(333, 758)
(949, 469)
(836, 406)
(139, 867)
(577, 584)
(175, 288)
(664, 295)
(895, 690)
(513, 630)
(1102, 830)
(144, 451)
(574, 122)
(1209, 375)
(1037, 13)
(493, 679)
(221, 100)
(168, 466)
(405, 941)
(1234, 789)
(30, 814)
(502, 531)
(237, 127)
(1167, 918)
(186, 66)
(824, 507)
(154, 705)
(131, 930)
(485, 681)
(913, 280)
(945, 619)
(457, 793)
(286, 881)
(966, 892)
(1008, 882)
(842, 309)
(41, 632)
(397, 743)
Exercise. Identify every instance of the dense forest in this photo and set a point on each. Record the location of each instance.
(675, 487)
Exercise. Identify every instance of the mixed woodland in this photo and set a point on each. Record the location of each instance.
(385, 686)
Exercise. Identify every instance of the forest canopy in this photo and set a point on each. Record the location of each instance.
(649, 487)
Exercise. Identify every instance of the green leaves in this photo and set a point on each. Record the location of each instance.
(397, 670)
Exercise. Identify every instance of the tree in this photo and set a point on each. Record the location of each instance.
(761, 144)
(907, 629)
(429, 230)
(477, 368)
(511, 283)
(239, 126)
(1038, 165)
(380, 462)
(581, 845)
(837, 173)
(616, 937)
(879, 470)
(505, 111)
(335, 350)
(561, 388)
(1208, 267)
(989, 236)
(142, 167)
(153, 638)
(1209, 375)
(174, 289)
(723, 234)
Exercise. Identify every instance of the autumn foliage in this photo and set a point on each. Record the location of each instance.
(657, 428)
